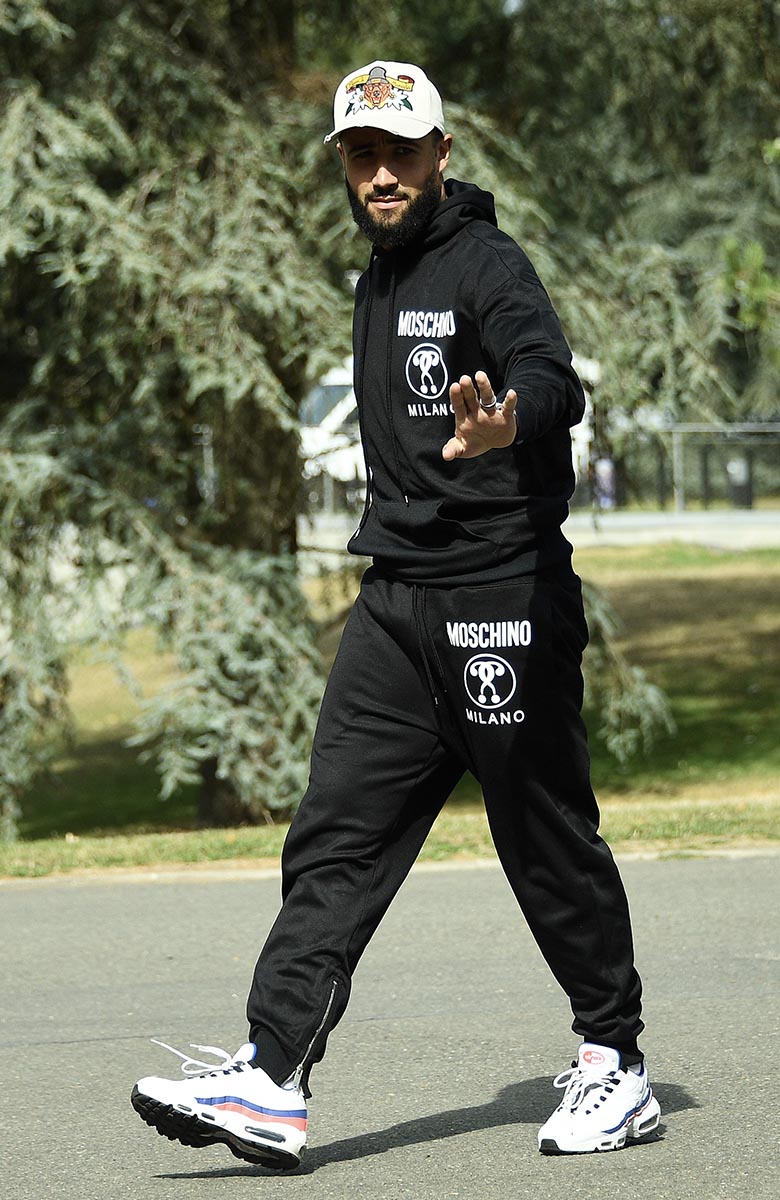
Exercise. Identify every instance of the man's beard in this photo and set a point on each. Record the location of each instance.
(411, 223)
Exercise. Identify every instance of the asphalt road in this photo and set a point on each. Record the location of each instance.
(439, 1075)
(719, 529)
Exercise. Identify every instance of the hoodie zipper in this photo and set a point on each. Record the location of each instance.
(388, 384)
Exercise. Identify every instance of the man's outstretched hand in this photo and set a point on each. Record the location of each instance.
(478, 429)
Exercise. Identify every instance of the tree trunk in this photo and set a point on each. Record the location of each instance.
(217, 801)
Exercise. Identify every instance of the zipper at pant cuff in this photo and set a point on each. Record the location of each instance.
(297, 1074)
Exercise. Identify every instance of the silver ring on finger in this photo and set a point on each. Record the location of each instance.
(487, 407)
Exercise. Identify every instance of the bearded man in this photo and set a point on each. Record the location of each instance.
(462, 653)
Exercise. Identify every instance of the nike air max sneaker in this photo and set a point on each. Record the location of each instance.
(604, 1104)
(235, 1103)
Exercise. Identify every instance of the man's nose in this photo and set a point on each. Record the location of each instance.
(384, 177)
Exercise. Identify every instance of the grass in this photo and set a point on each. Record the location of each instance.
(98, 786)
(671, 827)
(703, 623)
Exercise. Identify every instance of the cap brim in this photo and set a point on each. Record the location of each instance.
(399, 124)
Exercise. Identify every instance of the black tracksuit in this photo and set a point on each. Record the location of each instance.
(462, 652)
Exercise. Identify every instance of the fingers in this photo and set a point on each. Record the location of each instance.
(467, 397)
(486, 396)
(452, 449)
(464, 398)
(509, 404)
(458, 403)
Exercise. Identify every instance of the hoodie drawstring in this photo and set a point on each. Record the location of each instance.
(359, 371)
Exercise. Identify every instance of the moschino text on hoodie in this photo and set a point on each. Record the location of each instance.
(462, 298)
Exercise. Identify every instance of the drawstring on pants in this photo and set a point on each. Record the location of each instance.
(421, 629)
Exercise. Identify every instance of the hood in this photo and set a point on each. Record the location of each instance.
(465, 203)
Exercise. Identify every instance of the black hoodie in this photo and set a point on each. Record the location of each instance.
(462, 298)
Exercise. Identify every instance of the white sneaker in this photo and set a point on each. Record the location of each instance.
(236, 1103)
(603, 1105)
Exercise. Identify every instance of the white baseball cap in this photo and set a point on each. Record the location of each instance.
(396, 97)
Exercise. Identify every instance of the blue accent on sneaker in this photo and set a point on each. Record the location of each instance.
(629, 1116)
(258, 1108)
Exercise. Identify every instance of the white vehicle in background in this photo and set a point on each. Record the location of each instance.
(330, 435)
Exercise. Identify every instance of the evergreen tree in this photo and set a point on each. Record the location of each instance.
(653, 141)
(161, 320)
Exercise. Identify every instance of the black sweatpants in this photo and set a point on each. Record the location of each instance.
(427, 683)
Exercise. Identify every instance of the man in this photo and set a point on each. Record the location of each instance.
(462, 652)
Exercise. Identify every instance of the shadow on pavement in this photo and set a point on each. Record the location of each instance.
(528, 1102)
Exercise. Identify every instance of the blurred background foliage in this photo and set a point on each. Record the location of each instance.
(176, 255)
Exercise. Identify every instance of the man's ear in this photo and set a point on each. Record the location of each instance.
(340, 149)
(443, 151)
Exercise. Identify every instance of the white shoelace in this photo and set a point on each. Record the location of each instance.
(579, 1084)
(194, 1066)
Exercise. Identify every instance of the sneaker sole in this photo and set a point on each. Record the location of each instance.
(549, 1147)
(190, 1130)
